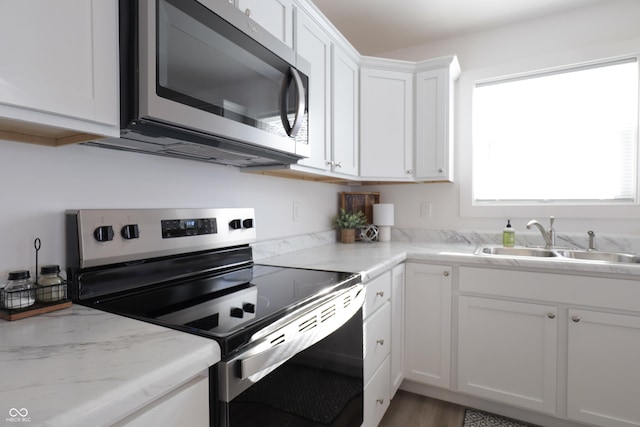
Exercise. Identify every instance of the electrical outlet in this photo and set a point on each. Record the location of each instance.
(425, 209)
(296, 211)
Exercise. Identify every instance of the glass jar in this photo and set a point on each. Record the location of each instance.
(51, 286)
(19, 291)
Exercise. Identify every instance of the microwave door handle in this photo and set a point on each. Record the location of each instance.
(292, 74)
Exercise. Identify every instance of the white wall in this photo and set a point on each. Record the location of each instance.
(37, 184)
(607, 29)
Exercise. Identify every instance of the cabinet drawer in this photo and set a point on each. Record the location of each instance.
(378, 292)
(377, 340)
(376, 395)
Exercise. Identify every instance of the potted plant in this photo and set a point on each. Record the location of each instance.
(347, 222)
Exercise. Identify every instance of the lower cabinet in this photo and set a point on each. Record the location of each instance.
(377, 346)
(188, 405)
(507, 351)
(383, 338)
(428, 324)
(603, 370)
(525, 337)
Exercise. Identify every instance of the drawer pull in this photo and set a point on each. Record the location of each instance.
(380, 293)
(380, 401)
(381, 342)
(575, 318)
(446, 273)
(551, 315)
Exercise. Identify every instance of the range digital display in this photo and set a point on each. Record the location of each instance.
(188, 227)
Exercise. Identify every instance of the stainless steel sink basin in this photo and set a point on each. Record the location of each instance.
(618, 257)
(559, 253)
(515, 251)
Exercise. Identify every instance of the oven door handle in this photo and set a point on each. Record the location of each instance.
(311, 329)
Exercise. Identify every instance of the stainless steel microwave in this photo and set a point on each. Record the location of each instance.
(201, 80)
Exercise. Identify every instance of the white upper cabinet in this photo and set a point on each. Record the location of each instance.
(344, 113)
(386, 124)
(314, 45)
(434, 119)
(276, 16)
(59, 70)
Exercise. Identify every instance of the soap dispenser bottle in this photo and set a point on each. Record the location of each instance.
(508, 236)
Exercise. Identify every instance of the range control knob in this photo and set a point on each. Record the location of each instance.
(247, 223)
(130, 231)
(104, 233)
(235, 224)
(237, 312)
(249, 307)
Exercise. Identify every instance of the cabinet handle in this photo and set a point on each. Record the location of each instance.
(446, 273)
(338, 165)
(551, 315)
(380, 293)
(380, 401)
(381, 342)
(439, 170)
(575, 318)
(330, 163)
(410, 171)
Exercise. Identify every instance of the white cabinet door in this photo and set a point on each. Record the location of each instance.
(188, 405)
(397, 327)
(507, 351)
(386, 124)
(434, 122)
(604, 375)
(345, 113)
(428, 324)
(276, 16)
(314, 45)
(59, 64)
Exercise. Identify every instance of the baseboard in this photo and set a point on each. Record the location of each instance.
(487, 406)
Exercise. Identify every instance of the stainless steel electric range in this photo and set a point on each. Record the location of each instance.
(291, 339)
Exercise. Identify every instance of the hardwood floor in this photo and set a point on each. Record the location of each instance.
(412, 410)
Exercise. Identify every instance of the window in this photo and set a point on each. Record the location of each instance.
(560, 137)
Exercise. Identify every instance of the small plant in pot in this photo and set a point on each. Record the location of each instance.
(347, 223)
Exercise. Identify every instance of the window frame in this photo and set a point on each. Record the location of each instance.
(464, 129)
(634, 197)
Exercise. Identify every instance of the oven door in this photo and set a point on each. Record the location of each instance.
(313, 377)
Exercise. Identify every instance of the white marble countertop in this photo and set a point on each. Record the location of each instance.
(84, 367)
(79, 367)
(371, 259)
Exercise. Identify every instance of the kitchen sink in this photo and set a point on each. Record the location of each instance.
(601, 256)
(560, 253)
(515, 251)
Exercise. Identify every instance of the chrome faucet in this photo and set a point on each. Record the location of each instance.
(592, 241)
(548, 235)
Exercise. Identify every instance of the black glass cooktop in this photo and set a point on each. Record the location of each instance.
(228, 307)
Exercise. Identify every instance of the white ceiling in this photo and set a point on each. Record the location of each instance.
(377, 26)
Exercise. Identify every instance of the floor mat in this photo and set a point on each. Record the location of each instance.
(473, 418)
